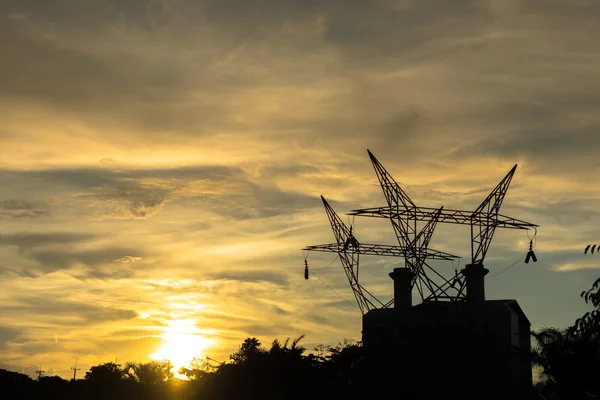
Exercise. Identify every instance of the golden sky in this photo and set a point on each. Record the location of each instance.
(161, 162)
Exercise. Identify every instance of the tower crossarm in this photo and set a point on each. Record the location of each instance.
(450, 216)
(380, 250)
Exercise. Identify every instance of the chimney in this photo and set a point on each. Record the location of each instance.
(474, 275)
(403, 278)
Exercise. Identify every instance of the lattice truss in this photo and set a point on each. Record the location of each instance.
(413, 243)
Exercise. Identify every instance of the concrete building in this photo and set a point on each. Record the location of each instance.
(487, 340)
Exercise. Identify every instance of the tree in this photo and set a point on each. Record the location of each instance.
(198, 369)
(105, 373)
(570, 358)
(52, 387)
(278, 372)
(15, 382)
(250, 348)
(589, 324)
(148, 374)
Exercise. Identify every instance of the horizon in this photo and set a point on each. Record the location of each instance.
(162, 164)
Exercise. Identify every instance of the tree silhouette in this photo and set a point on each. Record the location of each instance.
(570, 363)
(106, 373)
(250, 348)
(104, 381)
(148, 374)
(589, 324)
(570, 358)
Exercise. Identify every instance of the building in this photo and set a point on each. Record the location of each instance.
(488, 340)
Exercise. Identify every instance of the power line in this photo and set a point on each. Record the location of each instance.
(328, 265)
(507, 268)
(336, 293)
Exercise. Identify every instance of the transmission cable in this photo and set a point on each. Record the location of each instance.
(328, 265)
(336, 293)
(507, 268)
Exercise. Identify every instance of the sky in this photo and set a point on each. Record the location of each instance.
(161, 163)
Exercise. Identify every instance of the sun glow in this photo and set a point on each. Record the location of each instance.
(182, 341)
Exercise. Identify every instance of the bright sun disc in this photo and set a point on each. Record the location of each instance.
(180, 344)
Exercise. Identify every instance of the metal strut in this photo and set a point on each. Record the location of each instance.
(483, 221)
(482, 233)
(349, 250)
(413, 243)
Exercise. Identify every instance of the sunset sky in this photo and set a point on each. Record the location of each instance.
(161, 162)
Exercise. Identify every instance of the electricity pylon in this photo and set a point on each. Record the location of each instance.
(349, 250)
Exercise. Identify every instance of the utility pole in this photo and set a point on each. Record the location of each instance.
(75, 369)
(40, 372)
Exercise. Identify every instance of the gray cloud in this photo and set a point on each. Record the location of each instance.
(157, 95)
(53, 74)
(280, 311)
(255, 202)
(141, 193)
(100, 263)
(54, 251)
(27, 241)
(20, 209)
(73, 313)
(8, 334)
(252, 276)
(86, 178)
(127, 199)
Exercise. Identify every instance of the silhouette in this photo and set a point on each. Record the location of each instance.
(455, 331)
(408, 368)
(570, 358)
(75, 369)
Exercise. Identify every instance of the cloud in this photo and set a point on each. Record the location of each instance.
(252, 276)
(26, 241)
(126, 199)
(98, 263)
(69, 312)
(8, 334)
(577, 266)
(20, 209)
(141, 193)
(167, 157)
(79, 252)
(127, 259)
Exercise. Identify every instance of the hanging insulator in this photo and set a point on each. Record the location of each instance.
(305, 269)
(533, 257)
(530, 253)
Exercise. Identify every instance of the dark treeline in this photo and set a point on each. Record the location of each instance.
(279, 371)
(569, 358)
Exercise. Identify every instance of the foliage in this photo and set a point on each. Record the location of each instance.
(589, 324)
(279, 371)
(105, 373)
(570, 358)
(148, 374)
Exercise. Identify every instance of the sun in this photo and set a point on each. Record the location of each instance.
(181, 343)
